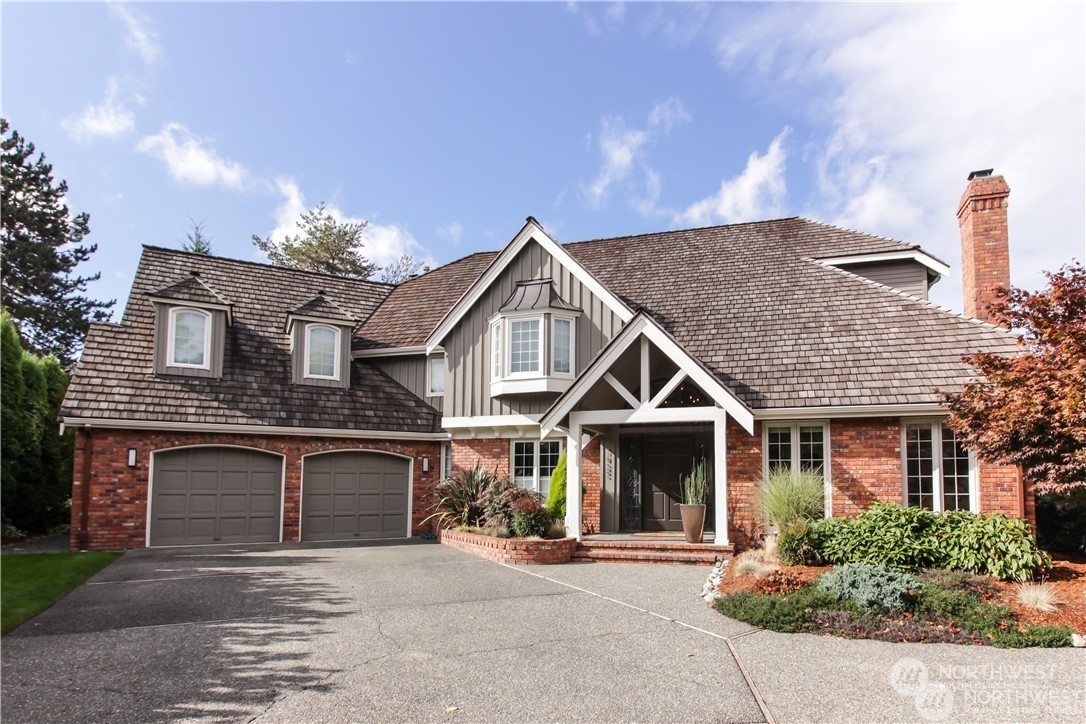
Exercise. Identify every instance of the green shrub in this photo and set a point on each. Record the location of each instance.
(1061, 521)
(1047, 637)
(461, 498)
(978, 586)
(789, 613)
(885, 534)
(871, 587)
(992, 545)
(798, 544)
(556, 496)
(915, 539)
(995, 624)
(786, 497)
(530, 518)
(499, 500)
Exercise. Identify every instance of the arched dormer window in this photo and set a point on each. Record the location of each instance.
(189, 338)
(322, 352)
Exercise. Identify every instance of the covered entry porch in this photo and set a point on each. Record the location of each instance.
(656, 411)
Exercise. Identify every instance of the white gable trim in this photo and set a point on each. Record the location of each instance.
(916, 255)
(642, 325)
(531, 231)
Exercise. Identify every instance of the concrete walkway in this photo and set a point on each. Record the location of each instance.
(425, 633)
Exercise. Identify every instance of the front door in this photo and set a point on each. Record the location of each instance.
(655, 464)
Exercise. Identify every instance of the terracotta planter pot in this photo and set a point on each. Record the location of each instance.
(693, 522)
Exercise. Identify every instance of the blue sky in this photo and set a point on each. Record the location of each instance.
(445, 125)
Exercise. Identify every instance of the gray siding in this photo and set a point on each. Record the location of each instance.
(906, 275)
(218, 342)
(410, 371)
(467, 347)
(297, 362)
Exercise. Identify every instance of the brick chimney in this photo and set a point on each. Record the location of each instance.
(986, 264)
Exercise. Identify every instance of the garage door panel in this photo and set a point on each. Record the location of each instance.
(215, 495)
(352, 495)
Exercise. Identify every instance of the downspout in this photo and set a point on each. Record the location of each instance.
(85, 498)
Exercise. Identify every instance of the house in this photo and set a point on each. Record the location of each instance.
(240, 402)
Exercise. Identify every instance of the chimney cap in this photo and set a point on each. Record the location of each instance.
(983, 173)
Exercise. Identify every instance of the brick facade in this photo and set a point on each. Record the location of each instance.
(117, 515)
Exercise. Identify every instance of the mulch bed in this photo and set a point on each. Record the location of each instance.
(1068, 577)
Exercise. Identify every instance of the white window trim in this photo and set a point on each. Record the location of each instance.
(555, 318)
(544, 378)
(430, 391)
(507, 341)
(937, 424)
(536, 444)
(309, 329)
(171, 329)
(794, 426)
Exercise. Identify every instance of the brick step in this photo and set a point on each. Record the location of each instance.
(651, 545)
(645, 556)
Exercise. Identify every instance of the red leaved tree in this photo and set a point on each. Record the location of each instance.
(1030, 410)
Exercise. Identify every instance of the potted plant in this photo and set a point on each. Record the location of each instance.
(693, 488)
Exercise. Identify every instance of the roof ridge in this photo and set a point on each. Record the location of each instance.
(920, 300)
(861, 233)
(269, 265)
(682, 231)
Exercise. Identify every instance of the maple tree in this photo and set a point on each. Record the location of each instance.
(1030, 409)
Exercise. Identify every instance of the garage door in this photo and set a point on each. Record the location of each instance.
(355, 495)
(211, 495)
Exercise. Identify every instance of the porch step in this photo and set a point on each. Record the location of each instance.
(650, 552)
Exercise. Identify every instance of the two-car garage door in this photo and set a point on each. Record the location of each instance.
(208, 495)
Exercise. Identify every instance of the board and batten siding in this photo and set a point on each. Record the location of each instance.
(162, 334)
(467, 347)
(409, 371)
(906, 275)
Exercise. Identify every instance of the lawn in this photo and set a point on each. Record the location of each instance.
(31, 583)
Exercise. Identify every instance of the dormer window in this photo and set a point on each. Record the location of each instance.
(191, 319)
(322, 352)
(189, 338)
(320, 332)
(532, 341)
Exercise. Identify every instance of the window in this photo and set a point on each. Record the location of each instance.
(534, 462)
(524, 346)
(322, 352)
(496, 351)
(189, 338)
(435, 385)
(938, 469)
(799, 446)
(562, 345)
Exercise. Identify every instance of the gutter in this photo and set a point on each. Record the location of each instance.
(166, 426)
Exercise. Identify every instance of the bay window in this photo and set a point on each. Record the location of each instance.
(531, 352)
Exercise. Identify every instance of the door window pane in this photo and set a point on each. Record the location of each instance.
(811, 449)
(548, 461)
(524, 464)
(955, 472)
(919, 466)
(779, 452)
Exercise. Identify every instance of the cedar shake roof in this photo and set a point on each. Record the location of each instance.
(115, 379)
(417, 306)
(782, 330)
(192, 289)
(323, 308)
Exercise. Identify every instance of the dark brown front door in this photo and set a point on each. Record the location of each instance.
(654, 465)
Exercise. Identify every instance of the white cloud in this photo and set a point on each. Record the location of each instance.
(189, 160)
(107, 119)
(911, 97)
(609, 19)
(757, 193)
(142, 38)
(384, 243)
(624, 151)
(451, 232)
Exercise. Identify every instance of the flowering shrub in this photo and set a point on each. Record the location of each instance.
(530, 518)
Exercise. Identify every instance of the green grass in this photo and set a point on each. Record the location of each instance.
(31, 583)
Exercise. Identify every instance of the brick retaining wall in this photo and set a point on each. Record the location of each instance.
(519, 551)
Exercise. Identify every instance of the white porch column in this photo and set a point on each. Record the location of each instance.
(573, 479)
(720, 477)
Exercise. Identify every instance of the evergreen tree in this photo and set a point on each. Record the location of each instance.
(42, 245)
(196, 241)
(324, 245)
(402, 269)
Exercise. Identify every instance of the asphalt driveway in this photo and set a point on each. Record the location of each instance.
(425, 633)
